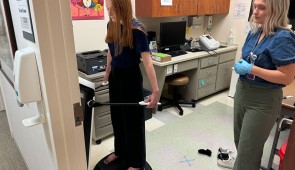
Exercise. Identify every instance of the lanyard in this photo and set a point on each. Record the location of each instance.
(252, 57)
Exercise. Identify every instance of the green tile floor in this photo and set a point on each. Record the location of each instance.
(173, 141)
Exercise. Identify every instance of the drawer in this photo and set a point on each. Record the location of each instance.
(227, 56)
(102, 97)
(92, 77)
(187, 65)
(206, 91)
(98, 85)
(101, 91)
(207, 81)
(103, 131)
(102, 120)
(206, 72)
(101, 110)
(209, 61)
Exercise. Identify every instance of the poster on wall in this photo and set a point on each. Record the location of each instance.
(26, 21)
(87, 9)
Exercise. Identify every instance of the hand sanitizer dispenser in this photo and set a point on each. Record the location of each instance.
(26, 83)
(26, 77)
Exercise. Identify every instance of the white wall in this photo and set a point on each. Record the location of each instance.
(90, 34)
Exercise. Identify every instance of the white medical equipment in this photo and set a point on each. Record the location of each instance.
(26, 83)
(207, 42)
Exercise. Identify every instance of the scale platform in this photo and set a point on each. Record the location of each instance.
(117, 164)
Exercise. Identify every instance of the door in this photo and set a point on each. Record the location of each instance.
(57, 144)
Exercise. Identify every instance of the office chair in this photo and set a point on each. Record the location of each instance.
(175, 81)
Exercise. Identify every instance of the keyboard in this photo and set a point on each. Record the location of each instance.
(194, 50)
(175, 53)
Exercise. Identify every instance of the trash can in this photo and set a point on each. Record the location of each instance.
(281, 154)
(148, 112)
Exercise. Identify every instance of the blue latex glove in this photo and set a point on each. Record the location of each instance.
(242, 67)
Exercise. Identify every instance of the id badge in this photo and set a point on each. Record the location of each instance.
(251, 76)
(252, 57)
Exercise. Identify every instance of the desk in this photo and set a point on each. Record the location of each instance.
(289, 104)
(205, 71)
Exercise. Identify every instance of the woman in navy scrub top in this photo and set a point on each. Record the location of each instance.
(128, 45)
(267, 65)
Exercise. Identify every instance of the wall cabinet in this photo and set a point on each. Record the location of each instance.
(206, 7)
(153, 8)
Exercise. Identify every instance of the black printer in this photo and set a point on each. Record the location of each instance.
(91, 62)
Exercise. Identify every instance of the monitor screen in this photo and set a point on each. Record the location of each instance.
(172, 34)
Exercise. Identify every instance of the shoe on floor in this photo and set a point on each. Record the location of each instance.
(224, 151)
(227, 163)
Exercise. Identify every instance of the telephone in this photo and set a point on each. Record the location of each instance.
(207, 42)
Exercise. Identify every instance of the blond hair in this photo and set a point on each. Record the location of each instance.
(121, 37)
(277, 17)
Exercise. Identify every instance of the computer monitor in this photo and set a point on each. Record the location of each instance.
(172, 35)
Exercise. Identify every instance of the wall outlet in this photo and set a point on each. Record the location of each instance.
(175, 66)
(169, 69)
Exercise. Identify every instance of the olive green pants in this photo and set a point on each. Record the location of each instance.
(256, 108)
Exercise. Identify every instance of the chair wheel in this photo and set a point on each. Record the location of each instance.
(194, 105)
(98, 141)
(181, 113)
(160, 108)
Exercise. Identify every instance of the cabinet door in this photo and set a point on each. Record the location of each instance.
(180, 8)
(222, 6)
(224, 75)
(213, 6)
(206, 7)
(153, 8)
(192, 7)
(175, 9)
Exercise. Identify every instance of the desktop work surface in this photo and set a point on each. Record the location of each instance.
(208, 72)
